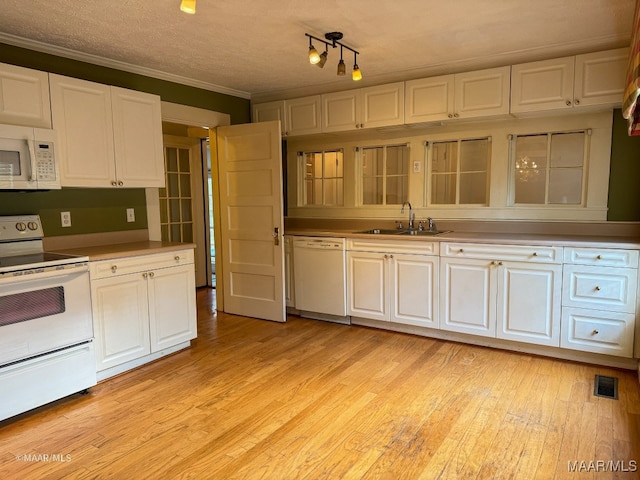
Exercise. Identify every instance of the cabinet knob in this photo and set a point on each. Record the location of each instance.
(568, 103)
(114, 268)
(499, 263)
(597, 289)
(150, 274)
(492, 262)
(120, 183)
(450, 115)
(177, 258)
(390, 256)
(576, 101)
(461, 251)
(535, 254)
(114, 183)
(595, 332)
(145, 275)
(456, 115)
(386, 256)
(599, 257)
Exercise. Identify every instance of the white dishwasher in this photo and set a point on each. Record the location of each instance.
(320, 278)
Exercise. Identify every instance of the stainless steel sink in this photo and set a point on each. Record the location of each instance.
(404, 231)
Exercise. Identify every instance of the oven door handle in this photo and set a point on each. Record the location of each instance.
(13, 278)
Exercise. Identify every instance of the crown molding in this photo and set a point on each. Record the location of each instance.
(116, 64)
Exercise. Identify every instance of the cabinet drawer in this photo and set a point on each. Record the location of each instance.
(601, 257)
(597, 331)
(485, 251)
(612, 289)
(139, 263)
(391, 246)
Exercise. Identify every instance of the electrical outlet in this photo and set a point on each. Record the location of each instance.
(65, 219)
(416, 166)
(131, 215)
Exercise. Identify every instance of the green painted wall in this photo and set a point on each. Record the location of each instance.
(103, 210)
(624, 180)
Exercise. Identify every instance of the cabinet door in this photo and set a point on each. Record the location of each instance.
(341, 111)
(429, 99)
(302, 116)
(600, 78)
(82, 118)
(172, 306)
(382, 106)
(120, 319)
(610, 333)
(266, 112)
(24, 97)
(137, 134)
(468, 296)
(482, 93)
(413, 290)
(367, 282)
(529, 303)
(545, 85)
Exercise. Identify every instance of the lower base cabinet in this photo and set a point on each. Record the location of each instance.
(142, 305)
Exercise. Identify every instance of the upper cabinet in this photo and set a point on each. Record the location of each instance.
(481, 93)
(24, 97)
(300, 116)
(107, 136)
(371, 107)
(594, 79)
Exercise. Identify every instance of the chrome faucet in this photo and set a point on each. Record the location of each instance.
(412, 217)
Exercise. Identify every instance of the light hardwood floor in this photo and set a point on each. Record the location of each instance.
(307, 399)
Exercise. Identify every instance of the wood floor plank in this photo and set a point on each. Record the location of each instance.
(309, 399)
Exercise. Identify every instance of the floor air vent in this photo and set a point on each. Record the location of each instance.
(606, 387)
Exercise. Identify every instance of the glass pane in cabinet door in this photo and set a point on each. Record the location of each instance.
(317, 192)
(565, 186)
(332, 193)
(397, 160)
(396, 190)
(474, 155)
(443, 189)
(567, 150)
(473, 188)
(372, 161)
(372, 191)
(530, 186)
(333, 165)
(445, 157)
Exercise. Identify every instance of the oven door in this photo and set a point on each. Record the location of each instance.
(44, 311)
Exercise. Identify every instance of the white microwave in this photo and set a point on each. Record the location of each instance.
(27, 159)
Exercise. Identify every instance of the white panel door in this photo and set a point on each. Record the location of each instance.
(544, 85)
(600, 77)
(482, 93)
(24, 97)
(82, 118)
(302, 116)
(383, 105)
(468, 296)
(367, 280)
(137, 134)
(172, 306)
(429, 99)
(341, 111)
(529, 303)
(250, 185)
(414, 290)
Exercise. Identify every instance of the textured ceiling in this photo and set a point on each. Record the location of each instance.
(258, 48)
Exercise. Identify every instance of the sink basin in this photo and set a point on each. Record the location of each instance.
(383, 231)
(404, 231)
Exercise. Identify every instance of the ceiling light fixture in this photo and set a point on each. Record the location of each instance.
(188, 6)
(332, 39)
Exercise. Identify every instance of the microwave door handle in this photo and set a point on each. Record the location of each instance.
(32, 159)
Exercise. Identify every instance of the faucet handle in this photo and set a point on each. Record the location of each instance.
(432, 224)
(399, 224)
(420, 226)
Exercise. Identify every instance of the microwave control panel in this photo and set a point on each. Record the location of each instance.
(45, 161)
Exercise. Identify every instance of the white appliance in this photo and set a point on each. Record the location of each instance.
(320, 278)
(27, 159)
(46, 327)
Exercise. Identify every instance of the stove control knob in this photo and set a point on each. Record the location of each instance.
(21, 226)
(32, 225)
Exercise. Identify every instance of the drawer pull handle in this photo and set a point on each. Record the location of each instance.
(535, 254)
(599, 257)
(461, 251)
(595, 332)
(177, 258)
(597, 288)
(114, 268)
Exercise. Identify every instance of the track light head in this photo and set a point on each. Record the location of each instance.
(323, 59)
(342, 68)
(188, 6)
(356, 74)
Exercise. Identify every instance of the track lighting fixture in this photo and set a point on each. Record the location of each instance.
(332, 39)
(188, 6)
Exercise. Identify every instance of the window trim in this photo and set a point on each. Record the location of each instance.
(302, 180)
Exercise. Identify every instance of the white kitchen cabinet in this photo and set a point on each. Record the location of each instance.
(510, 292)
(599, 300)
(594, 79)
(142, 306)
(303, 116)
(371, 107)
(24, 97)
(289, 280)
(481, 93)
(107, 136)
(268, 112)
(387, 283)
